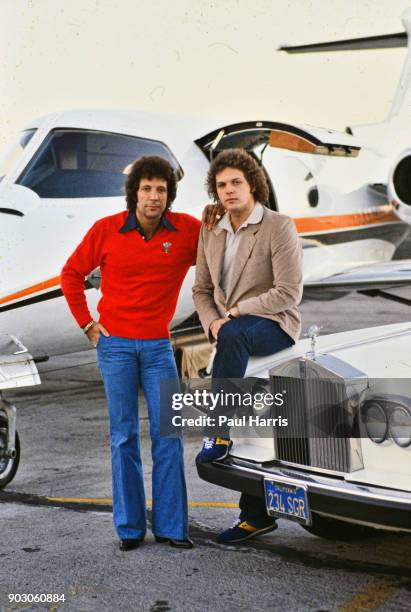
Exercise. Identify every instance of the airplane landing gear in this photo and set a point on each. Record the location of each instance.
(9, 443)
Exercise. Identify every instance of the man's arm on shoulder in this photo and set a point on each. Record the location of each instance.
(286, 261)
(85, 258)
(203, 288)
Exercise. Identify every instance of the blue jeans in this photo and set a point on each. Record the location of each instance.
(237, 340)
(125, 363)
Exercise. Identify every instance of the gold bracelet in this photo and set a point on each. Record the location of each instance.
(87, 327)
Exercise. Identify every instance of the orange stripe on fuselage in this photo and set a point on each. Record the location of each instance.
(303, 225)
(340, 222)
(52, 282)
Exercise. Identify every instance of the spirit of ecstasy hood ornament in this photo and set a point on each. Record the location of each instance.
(312, 332)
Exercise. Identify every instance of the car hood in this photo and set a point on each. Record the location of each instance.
(382, 351)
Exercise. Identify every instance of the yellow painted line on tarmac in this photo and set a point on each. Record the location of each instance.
(96, 501)
(204, 504)
(104, 501)
(372, 596)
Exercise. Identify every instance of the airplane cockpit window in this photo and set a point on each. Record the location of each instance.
(74, 163)
(13, 152)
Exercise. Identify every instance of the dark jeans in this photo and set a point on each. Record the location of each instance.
(237, 340)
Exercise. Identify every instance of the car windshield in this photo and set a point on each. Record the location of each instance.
(87, 164)
(13, 151)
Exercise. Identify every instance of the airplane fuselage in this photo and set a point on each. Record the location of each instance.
(71, 173)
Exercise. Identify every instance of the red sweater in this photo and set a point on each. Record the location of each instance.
(140, 281)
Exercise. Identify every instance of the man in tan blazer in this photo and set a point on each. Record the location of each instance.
(247, 288)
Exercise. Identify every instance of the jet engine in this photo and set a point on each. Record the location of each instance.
(399, 186)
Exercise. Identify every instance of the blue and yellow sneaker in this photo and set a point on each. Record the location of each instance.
(214, 449)
(242, 531)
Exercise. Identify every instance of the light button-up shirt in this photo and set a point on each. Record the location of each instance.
(233, 241)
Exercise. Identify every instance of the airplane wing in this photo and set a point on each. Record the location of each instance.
(369, 277)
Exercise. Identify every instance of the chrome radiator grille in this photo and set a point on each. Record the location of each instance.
(319, 424)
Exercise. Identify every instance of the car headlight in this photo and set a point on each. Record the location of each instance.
(375, 422)
(400, 426)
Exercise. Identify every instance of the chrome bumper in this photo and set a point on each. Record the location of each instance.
(333, 496)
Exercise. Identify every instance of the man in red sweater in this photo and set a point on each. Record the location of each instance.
(144, 254)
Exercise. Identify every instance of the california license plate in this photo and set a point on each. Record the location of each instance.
(287, 501)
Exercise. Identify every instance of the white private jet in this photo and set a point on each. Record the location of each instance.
(348, 193)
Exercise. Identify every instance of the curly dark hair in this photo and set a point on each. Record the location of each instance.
(149, 167)
(240, 160)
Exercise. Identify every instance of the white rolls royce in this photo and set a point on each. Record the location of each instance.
(343, 463)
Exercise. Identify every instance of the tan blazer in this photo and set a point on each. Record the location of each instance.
(266, 278)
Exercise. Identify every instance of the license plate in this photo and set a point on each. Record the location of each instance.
(287, 501)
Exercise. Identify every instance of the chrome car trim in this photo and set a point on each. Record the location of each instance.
(313, 481)
(309, 467)
(316, 436)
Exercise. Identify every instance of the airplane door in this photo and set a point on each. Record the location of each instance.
(291, 156)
